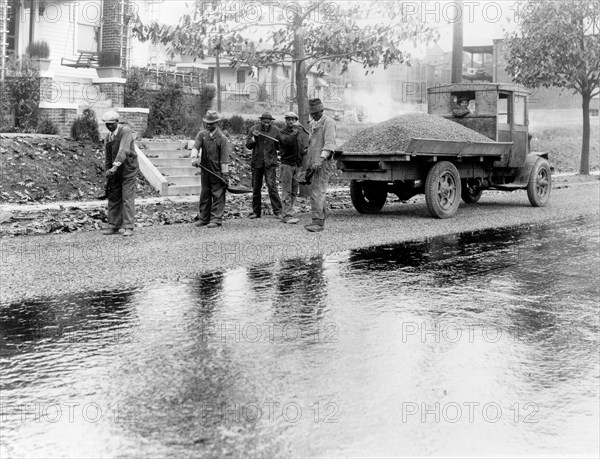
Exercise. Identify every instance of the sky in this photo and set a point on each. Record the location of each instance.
(483, 20)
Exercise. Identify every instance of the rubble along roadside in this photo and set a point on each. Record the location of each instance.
(76, 216)
(57, 264)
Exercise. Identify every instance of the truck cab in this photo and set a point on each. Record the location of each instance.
(498, 111)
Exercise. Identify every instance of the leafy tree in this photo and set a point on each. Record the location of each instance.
(558, 44)
(307, 33)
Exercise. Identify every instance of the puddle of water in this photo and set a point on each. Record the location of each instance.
(468, 345)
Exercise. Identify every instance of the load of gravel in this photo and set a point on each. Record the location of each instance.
(395, 134)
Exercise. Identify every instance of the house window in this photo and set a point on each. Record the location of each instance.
(286, 72)
(89, 15)
(210, 78)
(241, 76)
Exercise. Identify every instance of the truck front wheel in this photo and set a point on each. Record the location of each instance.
(540, 183)
(368, 197)
(443, 190)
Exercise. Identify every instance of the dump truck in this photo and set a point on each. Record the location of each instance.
(448, 170)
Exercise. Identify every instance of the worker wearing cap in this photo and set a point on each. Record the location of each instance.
(211, 151)
(262, 141)
(463, 107)
(320, 161)
(121, 163)
(293, 142)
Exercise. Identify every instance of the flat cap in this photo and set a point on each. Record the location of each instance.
(110, 116)
(290, 115)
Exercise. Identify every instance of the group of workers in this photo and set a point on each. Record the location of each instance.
(306, 156)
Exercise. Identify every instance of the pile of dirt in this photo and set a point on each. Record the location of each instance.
(395, 134)
(43, 169)
(49, 169)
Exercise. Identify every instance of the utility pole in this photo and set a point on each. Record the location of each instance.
(218, 50)
(457, 45)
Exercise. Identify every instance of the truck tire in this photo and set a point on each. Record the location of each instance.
(443, 190)
(469, 194)
(367, 197)
(540, 183)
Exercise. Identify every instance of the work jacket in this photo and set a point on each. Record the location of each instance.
(214, 149)
(264, 151)
(120, 147)
(322, 137)
(292, 145)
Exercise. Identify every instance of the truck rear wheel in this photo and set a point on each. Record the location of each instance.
(443, 190)
(540, 183)
(469, 194)
(368, 197)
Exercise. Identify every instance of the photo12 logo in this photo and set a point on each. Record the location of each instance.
(453, 412)
(270, 411)
(71, 412)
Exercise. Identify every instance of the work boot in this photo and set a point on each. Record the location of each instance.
(128, 232)
(213, 225)
(316, 225)
(201, 223)
(109, 231)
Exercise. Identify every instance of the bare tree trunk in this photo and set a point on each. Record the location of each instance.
(301, 88)
(301, 84)
(584, 166)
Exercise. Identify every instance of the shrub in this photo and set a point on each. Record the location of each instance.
(207, 96)
(134, 94)
(166, 110)
(38, 50)
(46, 126)
(23, 88)
(236, 123)
(85, 127)
(109, 59)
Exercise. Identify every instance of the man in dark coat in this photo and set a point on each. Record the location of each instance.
(121, 164)
(293, 142)
(213, 148)
(262, 141)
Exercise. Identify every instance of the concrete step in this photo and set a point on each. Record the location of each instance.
(178, 170)
(164, 145)
(178, 190)
(171, 162)
(184, 179)
(168, 154)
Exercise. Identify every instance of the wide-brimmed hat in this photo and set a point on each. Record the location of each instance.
(315, 105)
(266, 116)
(461, 98)
(290, 115)
(110, 116)
(211, 117)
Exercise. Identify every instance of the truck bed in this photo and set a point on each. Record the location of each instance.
(432, 149)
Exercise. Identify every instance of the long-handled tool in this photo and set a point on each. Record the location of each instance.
(268, 137)
(232, 190)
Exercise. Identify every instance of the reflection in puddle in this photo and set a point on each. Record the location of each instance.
(472, 344)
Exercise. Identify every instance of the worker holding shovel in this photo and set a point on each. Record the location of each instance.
(211, 154)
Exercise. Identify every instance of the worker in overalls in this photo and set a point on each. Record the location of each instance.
(211, 152)
(121, 164)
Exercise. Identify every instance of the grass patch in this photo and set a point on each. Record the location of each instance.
(563, 143)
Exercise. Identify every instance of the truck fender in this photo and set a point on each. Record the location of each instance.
(522, 177)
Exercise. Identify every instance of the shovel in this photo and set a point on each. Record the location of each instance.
(232, 190)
